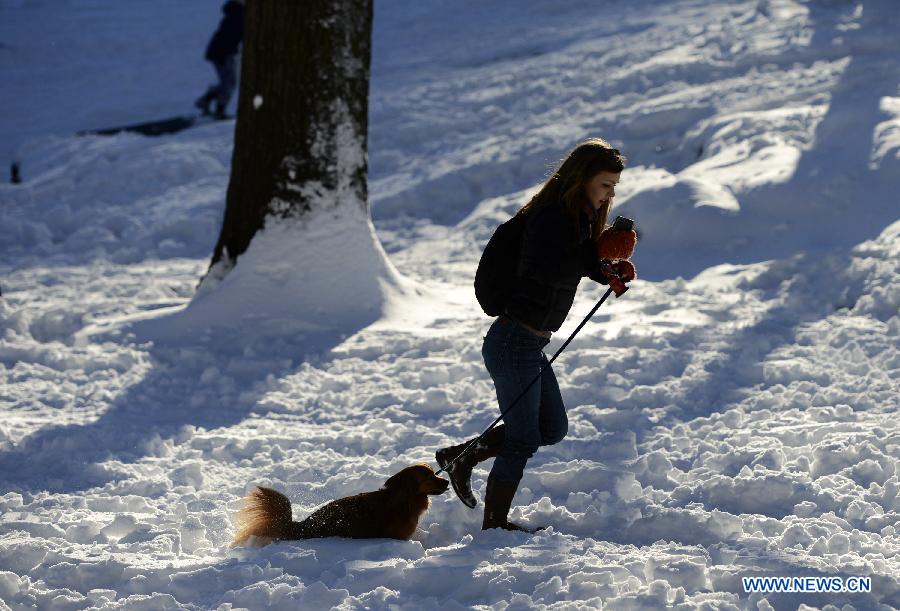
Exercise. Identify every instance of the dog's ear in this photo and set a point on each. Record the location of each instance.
(400, 481)
(409, 479)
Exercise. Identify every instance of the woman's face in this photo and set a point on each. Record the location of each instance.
(602, 188)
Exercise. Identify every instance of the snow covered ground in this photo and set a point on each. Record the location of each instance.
(733, 415)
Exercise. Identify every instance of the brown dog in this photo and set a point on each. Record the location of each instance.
(392, 512)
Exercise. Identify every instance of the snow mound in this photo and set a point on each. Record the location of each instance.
(150, 198)
(315, 279)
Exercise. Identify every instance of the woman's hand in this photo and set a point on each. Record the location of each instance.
(616, 274)
(616, 244)
(625, 270)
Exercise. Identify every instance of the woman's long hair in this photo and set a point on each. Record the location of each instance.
(567, 184)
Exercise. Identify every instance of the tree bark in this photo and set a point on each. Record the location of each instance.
(301, 134)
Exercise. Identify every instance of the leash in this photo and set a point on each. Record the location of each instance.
(615, 286)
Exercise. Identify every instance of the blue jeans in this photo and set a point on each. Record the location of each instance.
(514, 357)
(227, 81)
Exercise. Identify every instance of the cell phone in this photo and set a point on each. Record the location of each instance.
(623, 224)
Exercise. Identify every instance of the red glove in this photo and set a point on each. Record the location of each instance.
(616, 244)
(616, 274)
(625, 270)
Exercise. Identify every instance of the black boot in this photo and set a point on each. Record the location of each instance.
(497, 498)
(460, 473)
(205, 100)
(219, 112)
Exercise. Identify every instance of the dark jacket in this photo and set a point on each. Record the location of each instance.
(227, 37)
(553, 259)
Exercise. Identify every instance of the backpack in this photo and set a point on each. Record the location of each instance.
(497, 267)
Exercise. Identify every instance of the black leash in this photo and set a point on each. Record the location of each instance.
(615, 285)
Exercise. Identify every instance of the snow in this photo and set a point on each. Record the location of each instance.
(287, 270)
(732, 415)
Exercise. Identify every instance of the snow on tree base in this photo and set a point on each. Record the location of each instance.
(318, 277)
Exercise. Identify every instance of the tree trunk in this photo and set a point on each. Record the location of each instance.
(300, 138)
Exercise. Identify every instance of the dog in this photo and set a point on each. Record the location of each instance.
(391, 512)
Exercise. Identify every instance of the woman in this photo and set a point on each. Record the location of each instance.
(565, 238)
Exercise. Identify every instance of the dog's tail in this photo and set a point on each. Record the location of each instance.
(267, 515)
